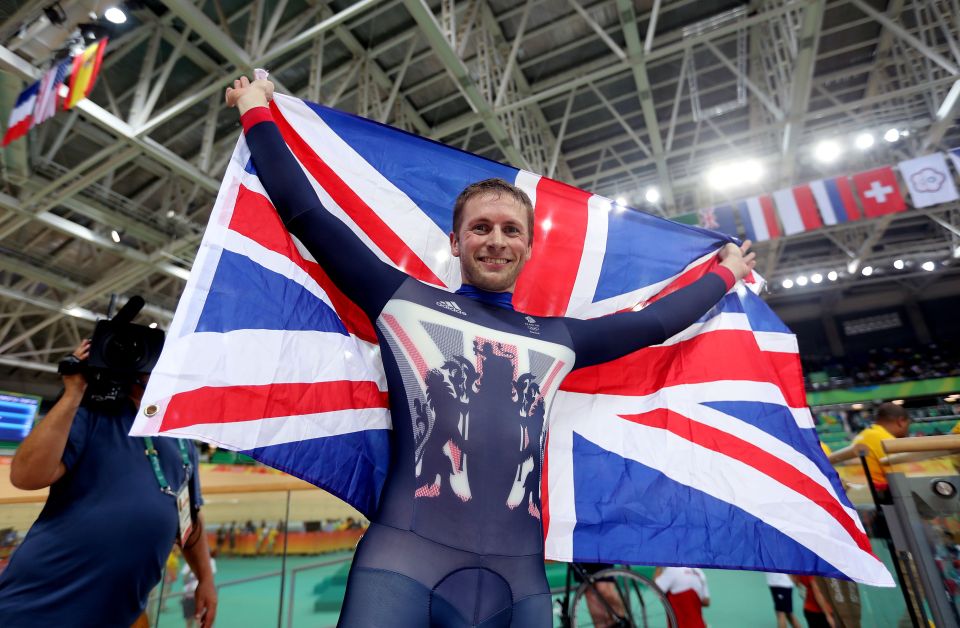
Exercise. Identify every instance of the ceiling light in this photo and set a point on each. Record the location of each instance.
(115, 15)
(115, 236)
(827, 151)
(802, 280)
(735, 174)
(816, 277)
(652, 195)
(832, 275)
(787, 283)
(621, 200)
(864, 141)
(898, 264)
(857, 406)
(867, 271)
(898, 402)
(928, 266)
(153, 325)
(892, 135)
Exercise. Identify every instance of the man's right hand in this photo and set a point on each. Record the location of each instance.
(245, 95)
(77, 384)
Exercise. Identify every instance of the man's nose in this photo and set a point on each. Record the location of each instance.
(497, 238)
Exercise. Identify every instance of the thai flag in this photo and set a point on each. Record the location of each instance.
(797, 209)
(21, 118)
(759, 218)
(835, 199)
(700, 451)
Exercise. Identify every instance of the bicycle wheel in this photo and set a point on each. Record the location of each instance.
(623, 599)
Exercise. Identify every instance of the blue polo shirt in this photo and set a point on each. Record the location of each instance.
(100, 544)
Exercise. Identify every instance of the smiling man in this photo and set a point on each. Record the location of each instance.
(456, 539)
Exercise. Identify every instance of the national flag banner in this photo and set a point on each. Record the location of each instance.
(21, 118)
(719, 218)
(879, 192)
(86, 66)
(928, 180)
(48, 96)
(759, 218)
(699, 451)
(797, 209)
(835, 200)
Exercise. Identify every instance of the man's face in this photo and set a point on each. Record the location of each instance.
(493, 242)
(901, 427)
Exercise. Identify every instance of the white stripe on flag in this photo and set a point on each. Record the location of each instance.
(245, 435)
(591, 259)
(257, 357)
(759, 221)
(827, 210)
(744, 487)
(788, 210)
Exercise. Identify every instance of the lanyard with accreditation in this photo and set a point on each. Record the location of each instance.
(183, 495)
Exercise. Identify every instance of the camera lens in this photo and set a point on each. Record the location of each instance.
(124, 351)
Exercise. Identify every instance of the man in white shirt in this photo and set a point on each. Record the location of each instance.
(781, 587)
(686, 589)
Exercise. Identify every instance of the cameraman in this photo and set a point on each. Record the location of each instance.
(100, 544)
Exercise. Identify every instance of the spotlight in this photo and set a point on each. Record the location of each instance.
(892, 135)
(735, 174)
(115, 235)
(867, 271)
(898, 264)
(832, 275)
(787, 283)
(652, 195)
(153, 325)
(802, 280)
(864, 141)
(816, 277)
(928, 266)
(115, 15)
(827, 151)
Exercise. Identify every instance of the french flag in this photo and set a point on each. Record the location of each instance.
(798, 209)
(759, 218)
(835, 199)
(21, 118)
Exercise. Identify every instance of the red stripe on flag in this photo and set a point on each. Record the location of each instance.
(749, 454)
(366, 218)
(544, 491)
(255, 217)
(846, 196)
(709, 357)
(236, 404)
(18, 130)
(770, 216)
(688, 277)
(546, 283)
(807, 205)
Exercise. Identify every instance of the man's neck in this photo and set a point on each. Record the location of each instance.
(497, 299)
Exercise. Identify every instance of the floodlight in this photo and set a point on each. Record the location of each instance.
(816, 277)
(827, 151)
(867, 271)
(787, 283)
(652, 195)
(802, 280)
(898, 264)
(892, 135)
(115, 15)
(928, 266)
(832, 275)
(864, 141)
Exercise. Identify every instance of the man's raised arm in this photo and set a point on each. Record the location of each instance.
(607, 338)
(354, 268)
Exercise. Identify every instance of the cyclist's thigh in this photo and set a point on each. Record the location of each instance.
(377, 597)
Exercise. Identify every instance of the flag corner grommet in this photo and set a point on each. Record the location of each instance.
(152, 409)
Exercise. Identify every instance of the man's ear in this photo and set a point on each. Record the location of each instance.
(454, 245)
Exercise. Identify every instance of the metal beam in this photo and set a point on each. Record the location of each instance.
(461, 75)
(906, 36)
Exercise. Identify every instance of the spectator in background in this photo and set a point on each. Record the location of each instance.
(816, 607)
(602, 611)
(891, 421)
(687, 592)
(781, 587)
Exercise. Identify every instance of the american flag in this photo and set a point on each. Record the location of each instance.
(48, 97)
(697, 452)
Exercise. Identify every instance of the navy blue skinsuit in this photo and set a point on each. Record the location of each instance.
(457, 538)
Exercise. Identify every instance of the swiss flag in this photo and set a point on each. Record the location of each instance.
(879, 192)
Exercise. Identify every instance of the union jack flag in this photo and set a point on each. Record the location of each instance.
(697, 452)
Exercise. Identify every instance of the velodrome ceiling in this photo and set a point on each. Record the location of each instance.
(616, 96)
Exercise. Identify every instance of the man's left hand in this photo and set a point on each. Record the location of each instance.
(206, 597)
(738, 259)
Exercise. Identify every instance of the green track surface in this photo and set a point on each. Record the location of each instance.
(739, 599)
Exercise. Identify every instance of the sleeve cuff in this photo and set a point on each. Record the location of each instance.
(254, 117)
(726, 275)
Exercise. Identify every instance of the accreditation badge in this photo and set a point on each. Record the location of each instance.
(183, 509)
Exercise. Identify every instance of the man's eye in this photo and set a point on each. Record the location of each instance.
(481, 228)
(512, 230)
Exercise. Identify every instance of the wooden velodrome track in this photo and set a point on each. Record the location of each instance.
(231, 493)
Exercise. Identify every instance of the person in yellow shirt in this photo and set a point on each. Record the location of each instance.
(891, 421)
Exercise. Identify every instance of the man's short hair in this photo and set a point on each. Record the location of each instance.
(891, 412)
(497, 187)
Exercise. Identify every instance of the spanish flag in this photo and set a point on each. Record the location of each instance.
(86, 65)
